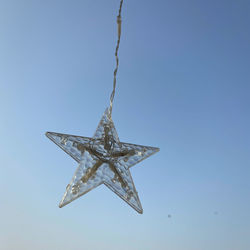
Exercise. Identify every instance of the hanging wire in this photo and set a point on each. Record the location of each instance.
(119, 22)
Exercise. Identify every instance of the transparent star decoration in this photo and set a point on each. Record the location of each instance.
(102, 159)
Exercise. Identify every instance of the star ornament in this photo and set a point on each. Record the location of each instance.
(102, 159)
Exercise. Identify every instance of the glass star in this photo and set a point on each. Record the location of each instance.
(102, 159)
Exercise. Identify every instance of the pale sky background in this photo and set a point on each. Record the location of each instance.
(183, 85)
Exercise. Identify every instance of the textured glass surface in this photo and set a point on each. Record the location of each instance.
(102, 159)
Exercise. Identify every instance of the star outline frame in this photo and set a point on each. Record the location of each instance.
(61, 139)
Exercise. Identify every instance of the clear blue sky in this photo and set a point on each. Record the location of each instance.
(183, 85)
